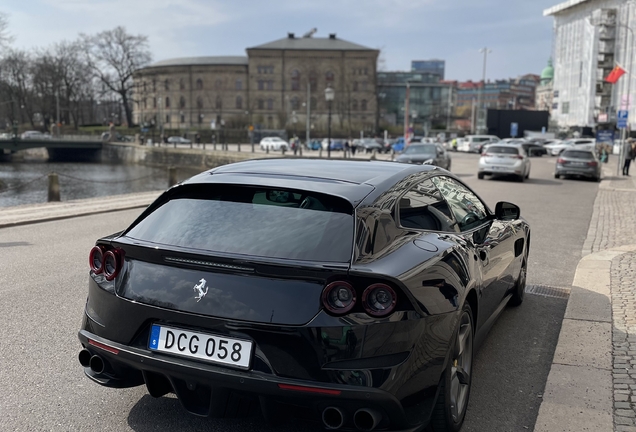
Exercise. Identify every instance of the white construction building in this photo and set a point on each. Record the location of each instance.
(590, 38)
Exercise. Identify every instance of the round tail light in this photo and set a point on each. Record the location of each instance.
(379, 300)
(96, 259)
(339, 297)
(112, 264)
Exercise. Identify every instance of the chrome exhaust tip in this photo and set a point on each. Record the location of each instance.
(332, 418)
(367, 419)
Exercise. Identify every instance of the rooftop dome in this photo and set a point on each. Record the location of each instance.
(548, 73)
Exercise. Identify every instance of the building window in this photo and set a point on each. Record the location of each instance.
(199, 84)
(354, 105)
(239, 102)
(239, 84)
(313, 102)
(366, 71)
(182, 102)
(181, 84)
(270, 85)
(265, 69)
(363, 105)
(144, 87)
(565, 108)
(166, 84)
(355, 86)
(218, 84)
(154, 102)
(329, 77)
(556, 93)
(313, 80)
(182, 118)
(154, 85)
(270, 122)
(219, 103)
(365, 86)
(260, 85)
(295, 80)
(167, 118)
(199, 102)
(295, 103)
(555, 106)
(261, 104)
(144, 103)
(200, 118)
(167, 102)
(270, 104)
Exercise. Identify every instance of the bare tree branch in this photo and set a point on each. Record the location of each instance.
(5, 37)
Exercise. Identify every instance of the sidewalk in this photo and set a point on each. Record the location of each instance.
(592, 382)
(33, 213)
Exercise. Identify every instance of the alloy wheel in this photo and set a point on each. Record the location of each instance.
(461, 368)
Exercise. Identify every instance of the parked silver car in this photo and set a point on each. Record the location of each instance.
(504, 160)
(578, 163)
(426, 154)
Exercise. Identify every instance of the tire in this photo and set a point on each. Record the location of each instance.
(480, 176)
(520, 286)
(521, 178)
(556, 176)
(454, 389)
(528, 175)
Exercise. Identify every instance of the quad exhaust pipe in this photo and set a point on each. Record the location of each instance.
(367, 419)
(84, 358)
(332, 418)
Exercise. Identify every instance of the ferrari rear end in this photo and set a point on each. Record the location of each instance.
(233, 296)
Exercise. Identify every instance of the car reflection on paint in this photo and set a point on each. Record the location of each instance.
(357, 290)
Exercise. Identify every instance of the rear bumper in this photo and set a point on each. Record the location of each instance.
(196, 385)
(583, 172)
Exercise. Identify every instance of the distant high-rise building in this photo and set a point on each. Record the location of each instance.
(434, 66)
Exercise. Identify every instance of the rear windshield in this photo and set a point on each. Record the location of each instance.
(577, 154)
(274, 223)
(421, 149)
(503, 150)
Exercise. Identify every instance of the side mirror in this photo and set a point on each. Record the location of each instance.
(507, 211)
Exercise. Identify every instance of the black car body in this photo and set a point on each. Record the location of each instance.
(429, 154)
(533, 148)
(355, 289)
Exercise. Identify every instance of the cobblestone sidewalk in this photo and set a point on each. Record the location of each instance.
(623, 284)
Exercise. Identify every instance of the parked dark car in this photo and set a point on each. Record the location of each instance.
(356, 289)
(336, 145)
(368, 145)
(429, 154)
(578, 163)
(534, 149)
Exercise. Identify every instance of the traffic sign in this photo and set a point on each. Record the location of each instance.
(514, 129)
(622, 117)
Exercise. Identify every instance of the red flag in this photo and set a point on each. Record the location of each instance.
(615, 74)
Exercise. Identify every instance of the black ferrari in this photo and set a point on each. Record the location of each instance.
(354, 292)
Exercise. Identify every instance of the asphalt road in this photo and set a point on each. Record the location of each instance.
(43, 278)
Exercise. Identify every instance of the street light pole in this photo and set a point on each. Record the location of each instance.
(329, 95)
(485, 51)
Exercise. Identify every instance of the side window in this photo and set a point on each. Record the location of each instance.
(468, 209)
(423, 207)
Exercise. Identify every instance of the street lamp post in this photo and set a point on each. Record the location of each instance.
(485, 52)
(329, 96)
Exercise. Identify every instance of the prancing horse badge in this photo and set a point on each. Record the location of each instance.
(199, 288)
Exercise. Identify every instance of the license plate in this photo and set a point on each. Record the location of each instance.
(578, 163)
(201, 346)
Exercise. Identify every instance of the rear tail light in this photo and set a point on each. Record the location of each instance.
(592, 163)
(339, 297)
(106, 261)
(96, 259)
(379, 300)
(560, 160)
(486, 154)
(519, 157)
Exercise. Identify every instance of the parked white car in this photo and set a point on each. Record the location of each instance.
(274, 144)
(474, 143)
(504, 159)
(178, 140)
(556, 148)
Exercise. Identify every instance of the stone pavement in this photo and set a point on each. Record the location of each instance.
(592, 382)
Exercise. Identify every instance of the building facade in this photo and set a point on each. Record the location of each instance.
(270, 87)
(590, 38)
(519, 93)
(545, 89)
(430, 99)
(434, 66)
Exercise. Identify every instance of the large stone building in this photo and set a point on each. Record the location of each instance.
(590, 38)
(269, 88)
(544, 90)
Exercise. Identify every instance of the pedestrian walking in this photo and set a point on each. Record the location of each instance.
(630, 149)
(347, 148)
(197, 139)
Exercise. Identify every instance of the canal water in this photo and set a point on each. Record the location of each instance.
(27, 182)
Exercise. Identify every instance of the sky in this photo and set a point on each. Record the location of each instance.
(516, 31)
